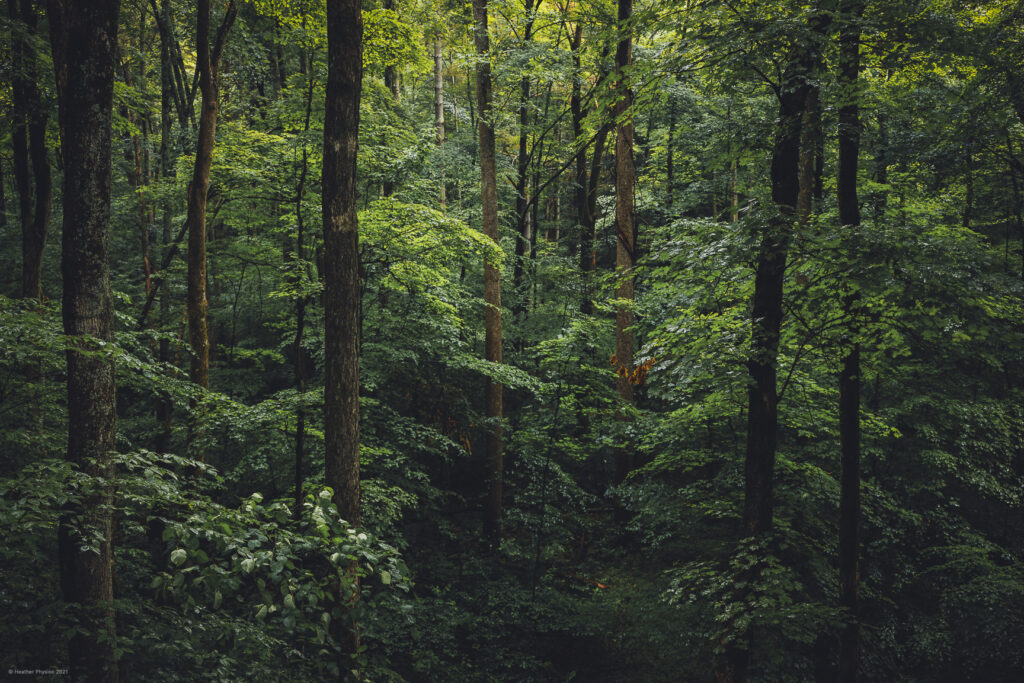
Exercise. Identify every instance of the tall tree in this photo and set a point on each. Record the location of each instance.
(766, 312)
(625, 232)
(523, 225)
(492, 272)
(341, 256)
(28, 137)
(83, 37)
(439, 110)
(341, 268)
(849, 376)
(208, 67)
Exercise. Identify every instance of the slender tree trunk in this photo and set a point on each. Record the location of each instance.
(208, 63)
(165, 407)
(300, 302)
(341, 273)
(83, 39)
(625, 176)
(766, 313)
(439, 112)
(492, 274)
(849, 378)
(670, 149)
(766, 324)
(522, 171)
(29, 146)
(391, 70)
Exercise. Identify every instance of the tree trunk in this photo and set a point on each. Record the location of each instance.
(341, 256)
(439, 111)
(83, 39)
(522, 250)
(28, 136)
(492, 275)
(165, 407)
(391, 70)
(766, 313)
(301, 301)
(208, 64)
(849, 378)
(341, 274)
(625, 176)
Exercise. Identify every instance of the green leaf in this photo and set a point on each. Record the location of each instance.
(178, 557)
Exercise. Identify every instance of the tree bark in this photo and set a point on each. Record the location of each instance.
(439, 112)
(625, 176)
(523, 227)
(341, 256)
(208, 64)
(165, 407)
(849, 378)
(28, 136)
(341, 274)
(492, 275)
(766, 312)
(83, 37)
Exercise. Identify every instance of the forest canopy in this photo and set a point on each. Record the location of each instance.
(512, 340)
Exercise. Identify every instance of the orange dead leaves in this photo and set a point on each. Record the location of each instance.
(637, 375)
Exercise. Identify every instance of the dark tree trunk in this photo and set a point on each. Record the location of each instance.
(391, 71)
(164, 409)
(208, 65)
(28, 136)
(766, 313)
(766, 324)
(341, 274)
(625, 176)
(341, 256)
(84, 39)
(300, 303)
(492, 275)
(849, 378)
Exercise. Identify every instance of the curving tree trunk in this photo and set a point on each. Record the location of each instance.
(208, 65)
(83, 37)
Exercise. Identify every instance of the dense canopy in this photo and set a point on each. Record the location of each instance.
(512, 340)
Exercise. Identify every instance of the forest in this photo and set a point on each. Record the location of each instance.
(512, 340)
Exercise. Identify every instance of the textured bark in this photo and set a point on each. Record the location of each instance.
(439, 111)
(84, 39)
(849, 378)
(341, 274)
(625, 176)
(208, 66)
(341, 256)
(492, 274)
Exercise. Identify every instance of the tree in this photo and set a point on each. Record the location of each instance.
(28, 137)
(83, 37)
(625, 231)
(208, 68)
(341, 268)
(849, 377)
(492, 273)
